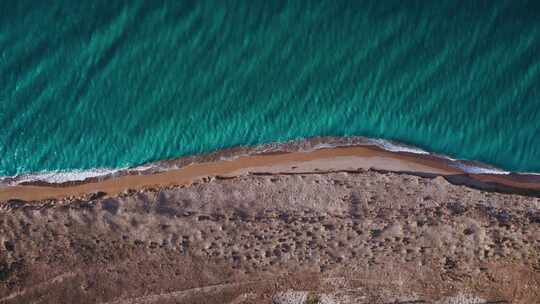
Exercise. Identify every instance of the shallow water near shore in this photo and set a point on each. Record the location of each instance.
(106, 85)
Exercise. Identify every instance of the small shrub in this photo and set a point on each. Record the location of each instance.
(312, 299)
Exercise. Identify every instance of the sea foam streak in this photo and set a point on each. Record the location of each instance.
(58, 177)
(396, 147)
(478, 169)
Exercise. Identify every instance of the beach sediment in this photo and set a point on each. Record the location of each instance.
(313, 155)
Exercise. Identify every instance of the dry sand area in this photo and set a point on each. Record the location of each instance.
(343, 237)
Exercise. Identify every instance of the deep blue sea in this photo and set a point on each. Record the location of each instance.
(113, 84)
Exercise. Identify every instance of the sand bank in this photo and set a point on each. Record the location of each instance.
(350, 158)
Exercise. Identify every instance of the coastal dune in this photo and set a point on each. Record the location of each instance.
(316, 237)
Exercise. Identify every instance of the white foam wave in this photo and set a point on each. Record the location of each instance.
(479, 170)
(396, 147)
(327, 146)
(528, 173)
(58, 177)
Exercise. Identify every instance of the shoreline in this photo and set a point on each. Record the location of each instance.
(79, 176)
(316, 155)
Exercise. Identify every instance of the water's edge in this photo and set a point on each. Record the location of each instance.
(309, 144)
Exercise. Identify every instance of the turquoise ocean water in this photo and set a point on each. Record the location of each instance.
(110, 84)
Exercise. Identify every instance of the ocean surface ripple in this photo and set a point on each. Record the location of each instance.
(114, 84)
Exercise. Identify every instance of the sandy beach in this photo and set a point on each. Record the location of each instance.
(320, 160)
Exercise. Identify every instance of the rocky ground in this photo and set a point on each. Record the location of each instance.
(365, 237)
